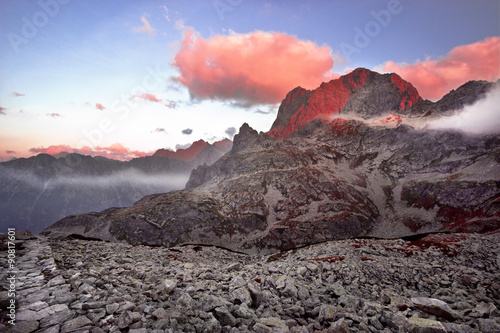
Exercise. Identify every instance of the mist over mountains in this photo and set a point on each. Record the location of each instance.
(37, 191)
(478, 118)
(352, 158)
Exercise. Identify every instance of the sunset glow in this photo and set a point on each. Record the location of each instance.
(124, 79)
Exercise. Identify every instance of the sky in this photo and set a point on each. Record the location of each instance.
(122, 79)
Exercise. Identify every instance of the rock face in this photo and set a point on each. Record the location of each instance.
(37, 191)
(361, 92)
(328, 179)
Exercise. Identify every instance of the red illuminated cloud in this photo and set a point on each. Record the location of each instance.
(258, 67)
(434, 78)
(99, 106)
(147, 97)
(116, 151)
(53, 150)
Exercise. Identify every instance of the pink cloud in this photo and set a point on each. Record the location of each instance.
(2, 110)
(147, 97)
(99, 106)
(54, 115)
(53, 150)
(258, 67)
(145, 27)
(16, 94)
(435, 78)
(116, 151)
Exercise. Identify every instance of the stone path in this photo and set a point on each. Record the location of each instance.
(440, 283)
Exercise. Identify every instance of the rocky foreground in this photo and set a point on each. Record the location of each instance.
(439, 283)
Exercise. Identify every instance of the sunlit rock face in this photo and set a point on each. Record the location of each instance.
(325, 171)
(35, 192)
(362, 92)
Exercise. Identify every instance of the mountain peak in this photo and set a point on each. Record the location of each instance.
(362, 93)
(185, 154)
(246, 136)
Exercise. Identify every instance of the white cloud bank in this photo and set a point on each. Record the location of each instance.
(482, 117)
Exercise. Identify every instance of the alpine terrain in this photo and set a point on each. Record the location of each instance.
(348, 159)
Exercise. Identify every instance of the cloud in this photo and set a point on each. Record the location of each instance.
(147, 97)
(171, 104)
(145, 28)
(116, 151)
(54, 115)
(241, 104)
(184, 146)
(180, 25)
(258, 67)
(16, 94)
(10, 151)
(166, 12)
(159, 130)
(435, 78)
(187, 131)
(482, 117)
(231, 131)
(119, 152)
(2, 110)
(99, 106)
(54, 150)
(262, 111)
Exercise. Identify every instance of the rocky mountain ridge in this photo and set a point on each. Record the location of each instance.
(362, 92)
(37, 191)
(316, 176)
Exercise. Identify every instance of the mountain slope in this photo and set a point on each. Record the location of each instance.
(37, 191)
(327, 178)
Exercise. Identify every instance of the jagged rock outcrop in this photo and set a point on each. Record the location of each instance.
(362, 92)
(37, 191)
(328, 179)
(455, 100)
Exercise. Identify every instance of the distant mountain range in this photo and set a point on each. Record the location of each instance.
(35, 192)
(343, 160)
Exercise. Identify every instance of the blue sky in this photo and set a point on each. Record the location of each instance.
(61, 60)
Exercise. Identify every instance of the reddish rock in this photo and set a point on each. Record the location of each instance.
(331, 99)
(391, 119)
(406, 91)
(223, 143)
(185, 155)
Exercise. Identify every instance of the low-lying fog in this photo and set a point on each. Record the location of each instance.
(482, 117)
(33, 201)
(131, 177)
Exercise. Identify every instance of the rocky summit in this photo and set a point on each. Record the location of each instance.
(438, 283)
(362, 92)
(328, 169)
